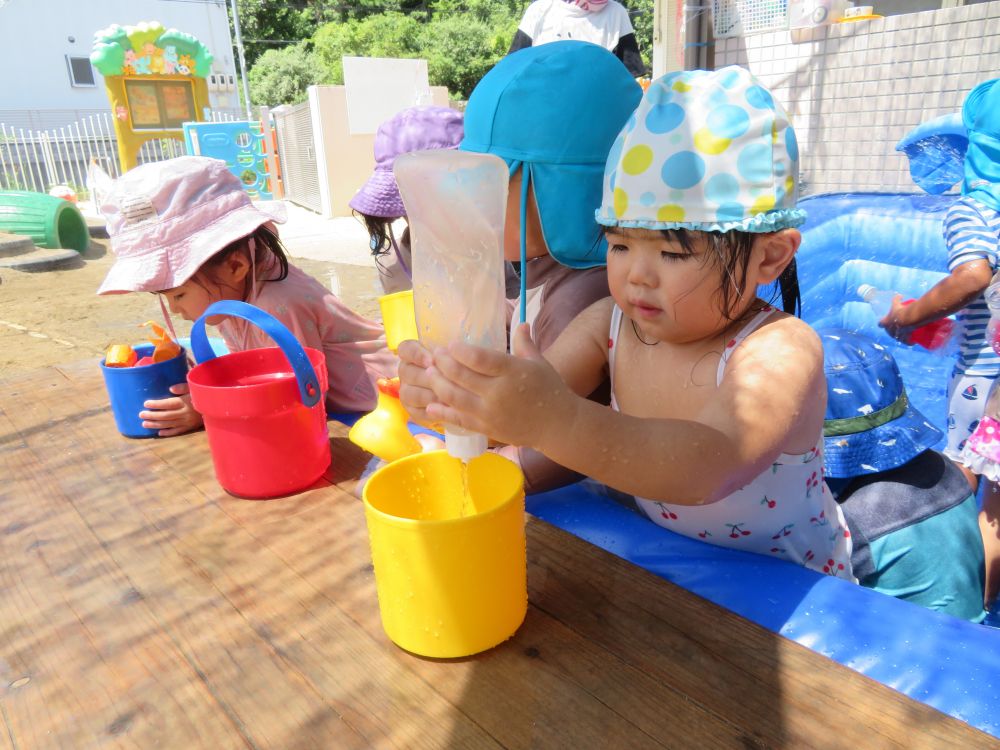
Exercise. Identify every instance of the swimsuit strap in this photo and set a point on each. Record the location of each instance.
(615, 330)
(735, 340)
(616, 324)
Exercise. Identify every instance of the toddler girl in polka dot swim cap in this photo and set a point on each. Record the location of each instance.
(716, 420)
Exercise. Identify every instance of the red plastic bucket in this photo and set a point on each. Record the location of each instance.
(263, 408)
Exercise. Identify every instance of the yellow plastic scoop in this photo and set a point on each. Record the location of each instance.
(164, 347)
(120, 355)
(383, 432)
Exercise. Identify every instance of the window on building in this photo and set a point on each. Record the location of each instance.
(81, 73)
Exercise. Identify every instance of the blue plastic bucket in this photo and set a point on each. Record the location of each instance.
(129, 387)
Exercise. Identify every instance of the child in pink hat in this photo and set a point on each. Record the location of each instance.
(185, 229)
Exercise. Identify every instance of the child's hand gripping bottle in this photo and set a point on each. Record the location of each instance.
(456, 206)
(936, 336)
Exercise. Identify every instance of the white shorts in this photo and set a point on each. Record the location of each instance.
(966, 403)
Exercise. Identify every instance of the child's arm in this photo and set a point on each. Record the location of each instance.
(954, 292)
(771, 400)
(972, 254)
(579, 359)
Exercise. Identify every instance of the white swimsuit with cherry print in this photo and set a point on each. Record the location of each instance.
(786, 512)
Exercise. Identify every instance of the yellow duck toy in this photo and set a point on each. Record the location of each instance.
(383, 432)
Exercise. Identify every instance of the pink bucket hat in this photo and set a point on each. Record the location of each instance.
(165, 219)
(413, 129)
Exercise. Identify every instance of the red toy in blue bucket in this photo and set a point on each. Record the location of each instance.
(263, 408)
(129, 387)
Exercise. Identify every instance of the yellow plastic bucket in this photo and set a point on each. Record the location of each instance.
(448, 584)
(398, 318)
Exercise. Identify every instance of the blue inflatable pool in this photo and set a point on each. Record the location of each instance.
(892, 242)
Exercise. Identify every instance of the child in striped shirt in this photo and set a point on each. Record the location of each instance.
(972, 233)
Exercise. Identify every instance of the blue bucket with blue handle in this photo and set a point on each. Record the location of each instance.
(130, 387)
(263, 408)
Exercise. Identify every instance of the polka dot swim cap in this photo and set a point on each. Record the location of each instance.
(705, 150)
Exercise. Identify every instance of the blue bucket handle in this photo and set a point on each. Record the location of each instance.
(297, 357)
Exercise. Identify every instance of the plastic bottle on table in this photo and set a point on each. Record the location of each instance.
(456, 207)
(936, 336)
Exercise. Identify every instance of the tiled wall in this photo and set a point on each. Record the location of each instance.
(854, 89)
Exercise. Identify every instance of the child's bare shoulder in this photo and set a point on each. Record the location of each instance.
(595, 320)
(587, 331)
(784, 339)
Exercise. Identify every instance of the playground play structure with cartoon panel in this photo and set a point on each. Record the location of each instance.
(155, 79)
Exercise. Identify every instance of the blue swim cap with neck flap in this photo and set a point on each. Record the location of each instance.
(554, 111)
(981, 115)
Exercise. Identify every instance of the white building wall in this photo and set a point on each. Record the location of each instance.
(35, 39)
(853, 90)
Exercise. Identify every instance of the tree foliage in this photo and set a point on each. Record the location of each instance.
(642, 21)
(273, 24)
(460, 39)
(282, 76)
(381, 35)
(459, 52)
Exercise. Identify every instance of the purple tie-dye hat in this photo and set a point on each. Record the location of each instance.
(413, 129)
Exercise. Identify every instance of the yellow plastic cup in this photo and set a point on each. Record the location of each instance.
(450, 569)
(398, 317)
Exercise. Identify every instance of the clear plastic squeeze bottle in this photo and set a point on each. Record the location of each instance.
(456, 206)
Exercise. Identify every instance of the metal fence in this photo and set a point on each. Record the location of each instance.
(38, 160)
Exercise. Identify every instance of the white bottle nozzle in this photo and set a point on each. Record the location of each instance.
(866, 292)
(466, 446)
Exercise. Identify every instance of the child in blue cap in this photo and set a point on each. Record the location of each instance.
(551, 112)
(911, 513)
(716, 417)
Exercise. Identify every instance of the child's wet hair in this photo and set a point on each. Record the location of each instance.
(729, 252)
(380, 239)
(378, 233)
(268, 251)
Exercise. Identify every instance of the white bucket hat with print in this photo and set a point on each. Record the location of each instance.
(165, 219)
(705, 150)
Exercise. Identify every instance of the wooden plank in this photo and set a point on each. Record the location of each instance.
(368, 692)
(786, 693)
(273, 604)
(545, 687)
(84, 660)
(267, 703)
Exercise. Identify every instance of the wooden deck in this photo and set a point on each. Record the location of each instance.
(142, 606)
